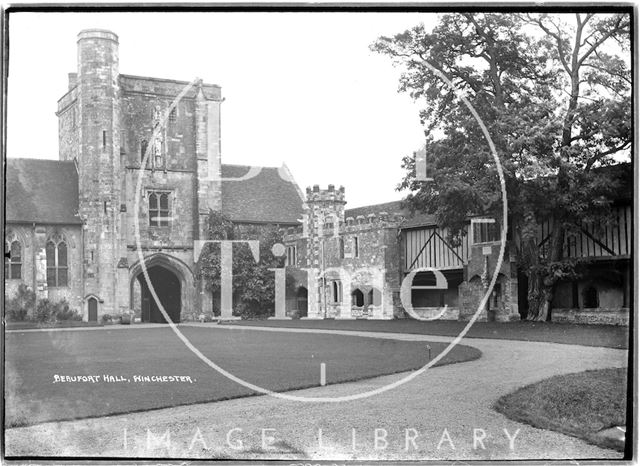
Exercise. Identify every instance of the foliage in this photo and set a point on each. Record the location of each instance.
(253, 283)
(48, 311)
(64, 312)
(554, 97)
(106, 318)
(21, 305)
(45, 311)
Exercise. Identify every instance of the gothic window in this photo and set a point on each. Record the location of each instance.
(13, 263)
(57, 265)
(159, 209)
(341, 247)
(356, 251)
(143, 148)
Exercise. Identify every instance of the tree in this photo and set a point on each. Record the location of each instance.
(253, 283)
(555, 99)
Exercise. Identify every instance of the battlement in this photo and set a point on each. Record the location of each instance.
(373, 221)
(330, 194)
(103, 34)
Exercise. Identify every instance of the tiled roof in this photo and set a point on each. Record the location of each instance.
(42, 191)
(46, 191)
(271, 196)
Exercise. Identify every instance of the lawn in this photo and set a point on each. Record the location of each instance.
(587, 335)
(278, 361)
(580, 404)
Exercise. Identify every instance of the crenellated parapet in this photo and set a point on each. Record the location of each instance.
(330, 195)
(372, 221)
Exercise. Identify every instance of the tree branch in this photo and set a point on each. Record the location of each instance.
(599, 42)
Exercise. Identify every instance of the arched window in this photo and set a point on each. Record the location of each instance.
(159, 209)
(57, 265)
(153, 210)
(13, 263)
(336, 291)
(143, 148)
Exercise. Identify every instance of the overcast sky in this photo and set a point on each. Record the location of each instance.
(300, 88)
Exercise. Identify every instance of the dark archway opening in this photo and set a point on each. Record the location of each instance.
(590, 297)
(93, 309)
(357, 298)
(301, 301)
(167, 286)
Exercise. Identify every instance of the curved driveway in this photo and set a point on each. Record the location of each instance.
(443, 414)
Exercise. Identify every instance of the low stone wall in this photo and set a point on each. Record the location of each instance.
(452, 313)
(619, 316)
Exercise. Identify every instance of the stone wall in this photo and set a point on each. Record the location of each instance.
(502, 302)
(33, 240)
(68, 125)
(360, 255)
(180, 231)
(612, 316)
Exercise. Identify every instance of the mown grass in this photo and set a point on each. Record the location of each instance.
(278, 361)
(573, 334)
(580, 404)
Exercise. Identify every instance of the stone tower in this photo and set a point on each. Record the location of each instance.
(98, 159)
(324, 217)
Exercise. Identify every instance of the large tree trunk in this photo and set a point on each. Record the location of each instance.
(542, 283)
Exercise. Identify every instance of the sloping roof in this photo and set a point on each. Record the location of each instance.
(271, 196)
(42, 191)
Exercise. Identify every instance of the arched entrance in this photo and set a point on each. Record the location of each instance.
(301, 301)
(168, 288)
(172, 281)
(92, 304)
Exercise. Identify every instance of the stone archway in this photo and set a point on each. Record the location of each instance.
(172, 281)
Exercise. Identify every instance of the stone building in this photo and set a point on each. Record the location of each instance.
(140, 169)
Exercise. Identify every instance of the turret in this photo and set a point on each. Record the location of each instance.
(99, 158)
(325, 207)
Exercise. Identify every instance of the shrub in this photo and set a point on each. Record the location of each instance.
(21, 305)
(64, 312)
(294, 314)
(106, 318)
(45, 311)
(14, 312)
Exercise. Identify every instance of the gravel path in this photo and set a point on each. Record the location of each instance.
(434, 416)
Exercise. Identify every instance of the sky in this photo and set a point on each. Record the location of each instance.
(300, 88)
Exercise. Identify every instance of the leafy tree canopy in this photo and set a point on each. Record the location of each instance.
(554, 94)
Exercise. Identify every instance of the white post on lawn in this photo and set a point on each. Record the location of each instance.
(226, 280)
(280, 294)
